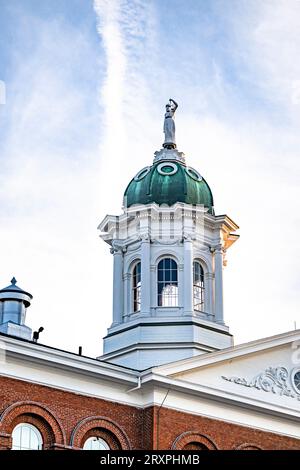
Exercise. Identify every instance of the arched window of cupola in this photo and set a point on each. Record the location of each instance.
(198, 286)
(136, 287)
(167, 283)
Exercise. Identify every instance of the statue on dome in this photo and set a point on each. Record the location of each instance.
(169, 125)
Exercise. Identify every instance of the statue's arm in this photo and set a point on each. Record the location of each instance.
(175, 104)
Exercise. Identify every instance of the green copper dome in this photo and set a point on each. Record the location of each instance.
(168, 182)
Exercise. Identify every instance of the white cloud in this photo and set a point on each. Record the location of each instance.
(267, 41)
(126, 28)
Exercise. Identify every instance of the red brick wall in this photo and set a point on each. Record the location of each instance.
(70, 409)
(66, 419)
(147, 429)
(214, 433)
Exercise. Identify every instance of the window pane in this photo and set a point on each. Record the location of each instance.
(173, 264)
(33, 441)
(95, 443)
(167, 283)
(17, 437)
(136, 287)
(26, 437)
(198, 287)
(167, 262)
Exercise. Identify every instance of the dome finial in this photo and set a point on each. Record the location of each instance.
(14, 281)
(169, 125)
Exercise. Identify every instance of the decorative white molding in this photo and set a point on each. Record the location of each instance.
(144, 237)
(134, 247)
(273, 379)
(166, 242)
(168, 154)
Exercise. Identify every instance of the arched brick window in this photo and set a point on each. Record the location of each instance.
(103, 428)
(37, 416)
(195, 446)
(193, 441)
(247, 446)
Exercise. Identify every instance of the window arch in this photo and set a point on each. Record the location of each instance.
(104, 428)
(95, 443)
(191, 440)
(198, 286)
(136, 287)
(167, 283)
(194, 446)
(25, 436)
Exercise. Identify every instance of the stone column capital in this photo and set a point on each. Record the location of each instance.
(217, 248)
(116, 251)
(145, 238)
(117, 248)
(188, 238)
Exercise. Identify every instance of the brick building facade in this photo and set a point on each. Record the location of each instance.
(66, 420)
(70, 398)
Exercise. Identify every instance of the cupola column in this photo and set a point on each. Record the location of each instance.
(117, 285)
(219, 284)
(188, 276)
(145, 276)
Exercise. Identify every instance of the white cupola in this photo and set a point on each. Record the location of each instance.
(14, 302)
(168, 250)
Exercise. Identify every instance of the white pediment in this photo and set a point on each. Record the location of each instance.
(262, 371)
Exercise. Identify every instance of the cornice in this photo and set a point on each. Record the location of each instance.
(230, 353)
(64, 360)
(214, 394)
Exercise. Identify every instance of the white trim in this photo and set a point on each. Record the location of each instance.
(229, 353)
(166, 252)
(145, 170)
(196, 176)
(130, 260)
(135, 402)
(295, 371)
(200, 259)
(217, 395)
(164, 164)
(229, 421)
(65, 360)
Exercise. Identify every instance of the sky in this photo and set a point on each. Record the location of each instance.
(83, 87)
